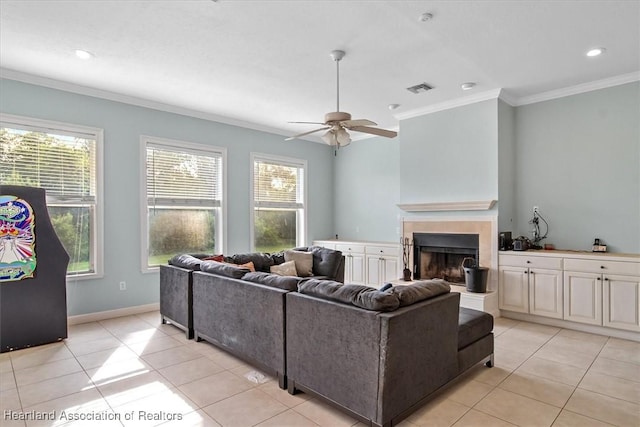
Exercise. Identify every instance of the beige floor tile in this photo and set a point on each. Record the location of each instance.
(551, 370)
(105, 357)
(113, 372)
(152, 317)
(615, 368)
(586, 347)
(245, 409)
(538, 388)
(570, 419)
(583, 336)
(139, 336)
(36, 356)
(86, 347)
(125, 323)
(289, 400)
(170, 329)
(517, 409)
(42, 391)
(5, 364)
(86, 332)
(122, 391)
(468, 392)
(288, 418)
(9, 401)
(323, 414)
(7, 381)
(197, 418)
(535, 328)
(622, 353)
(153, 345)
(438, 412)
(168, 405)
(13, 422)
(171, 356)
(191, 370)
(492, 376)
(561, 354)
(47, 371)
(214, 388)
(612, 386)
(604, 408)
(620, 343)
(69, 407)
(222, 358)
(508, 358)
(254, 376)
(514, 340)
(502, 324)
(475, 418)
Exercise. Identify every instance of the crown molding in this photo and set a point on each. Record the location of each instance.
(132, 100)
(480, 205)
(447, 105)
(577, 89)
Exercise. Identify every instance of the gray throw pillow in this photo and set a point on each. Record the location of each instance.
(357, 295)
(223, 269)
(303, 260)
(186, 261)
(419, 291)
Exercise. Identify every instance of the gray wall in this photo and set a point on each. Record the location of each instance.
(578, 159)
(123, 124)
(506, 167)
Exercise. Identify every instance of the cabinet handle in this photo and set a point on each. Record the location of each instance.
(606, 278)
(531, 272)
(528, 262)
(602, 267)
(598, 279)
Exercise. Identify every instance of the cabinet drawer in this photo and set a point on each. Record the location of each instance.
(553, 263)
(602, 266)
(382, 250)
(345, 248)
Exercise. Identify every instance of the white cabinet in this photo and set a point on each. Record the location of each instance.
(354, 272)
(583, 297)
(621, 302)
(381, 269)
(525, 288)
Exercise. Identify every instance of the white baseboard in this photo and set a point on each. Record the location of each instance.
(110, 314)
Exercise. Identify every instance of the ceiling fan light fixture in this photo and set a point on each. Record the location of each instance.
(330, 138)
(343, 138)
(467, 86)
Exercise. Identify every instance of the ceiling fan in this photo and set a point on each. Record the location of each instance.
(338, 122)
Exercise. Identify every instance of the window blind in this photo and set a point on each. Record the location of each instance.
(277, 184)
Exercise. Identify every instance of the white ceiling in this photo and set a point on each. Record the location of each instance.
(264, 63)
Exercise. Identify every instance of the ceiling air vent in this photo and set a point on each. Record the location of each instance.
(422, 87)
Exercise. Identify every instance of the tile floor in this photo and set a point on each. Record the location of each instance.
(144, 373)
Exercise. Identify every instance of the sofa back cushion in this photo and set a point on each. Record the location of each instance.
(357, 295)
(325, 261)
(224, 269)
(419, 291)
(261, 261)
(186, 261)
(288, 283)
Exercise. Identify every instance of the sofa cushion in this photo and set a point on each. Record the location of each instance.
(473, 325)
(303, 261)
(325, 261)
(277, 258)
(261, 261)
(285, 269)
(419, 291)
(224, 269)
(186, 261)
(288, 283)
(358, 295)
(219, 258)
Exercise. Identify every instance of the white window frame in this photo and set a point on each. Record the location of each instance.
(96, 237)
(301, 226)
(178, 145)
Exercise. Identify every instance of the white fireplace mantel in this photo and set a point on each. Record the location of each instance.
(480, 205)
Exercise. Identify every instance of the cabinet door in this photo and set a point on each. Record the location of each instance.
(374, 270)
(545, 292)
(357, 269)
(513, 290)
(583, 297)
(621, 302)
(391, 271)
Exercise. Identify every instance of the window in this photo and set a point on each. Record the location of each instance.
(279, 199)
(64, 160)
(184, 199)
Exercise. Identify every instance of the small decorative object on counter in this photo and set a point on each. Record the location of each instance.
(407, 244)
(598, 246)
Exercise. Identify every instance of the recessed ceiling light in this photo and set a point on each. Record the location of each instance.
(83, 54)
(596, 51)
(425, 17)
(467, 86)
(393, 106)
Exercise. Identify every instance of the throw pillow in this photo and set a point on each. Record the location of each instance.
(248, 265)
(285, 269)
(303, 262)
(420, 291)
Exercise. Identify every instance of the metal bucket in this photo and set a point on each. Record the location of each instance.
(475, 277)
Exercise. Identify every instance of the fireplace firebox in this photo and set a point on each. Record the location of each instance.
(440, 255)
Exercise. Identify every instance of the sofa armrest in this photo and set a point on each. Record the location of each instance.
(175, 296)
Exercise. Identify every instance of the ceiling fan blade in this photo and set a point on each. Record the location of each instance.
(309, 123)
(306, 133)
(359, 122)
(375, 131)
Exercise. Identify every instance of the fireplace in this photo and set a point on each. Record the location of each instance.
(440, 255)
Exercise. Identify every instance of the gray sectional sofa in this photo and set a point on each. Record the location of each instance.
(377, 355)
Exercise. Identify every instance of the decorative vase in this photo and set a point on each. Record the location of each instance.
(406, 275)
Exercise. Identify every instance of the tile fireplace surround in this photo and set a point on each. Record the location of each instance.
(484, 226)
